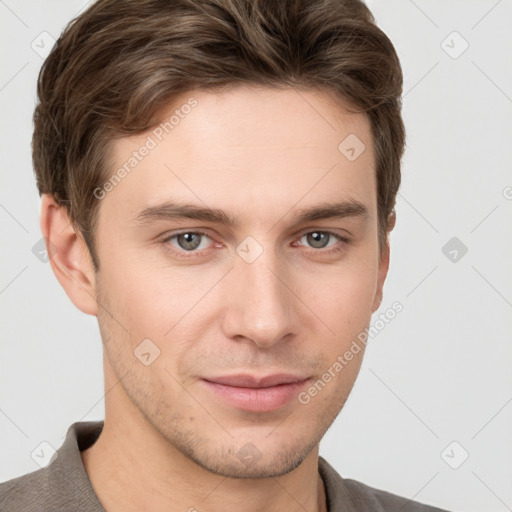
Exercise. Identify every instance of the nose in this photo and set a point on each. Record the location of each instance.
(260, 304)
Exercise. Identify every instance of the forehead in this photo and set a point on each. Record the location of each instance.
(254, 150)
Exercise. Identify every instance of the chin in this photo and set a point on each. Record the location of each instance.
(238, 457)
(253, 466)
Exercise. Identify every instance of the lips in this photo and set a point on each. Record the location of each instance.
(256, 393)
(251, 381)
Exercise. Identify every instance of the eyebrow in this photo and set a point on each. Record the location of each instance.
(173, 211)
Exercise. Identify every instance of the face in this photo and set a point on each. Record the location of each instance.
(239, 258)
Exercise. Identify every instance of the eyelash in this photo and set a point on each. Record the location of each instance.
(193, 254)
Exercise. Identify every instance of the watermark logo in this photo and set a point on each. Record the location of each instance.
(352, 147)
(249, 454)
(454, 45)
(146, 352)
(44, 454)
(249, 249)
(455, 455)
(44, 250)
(43, 44)
(454, 249)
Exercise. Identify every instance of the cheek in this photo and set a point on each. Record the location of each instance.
(159, 305)
(343, 296)
(129, 323)
(148, 298)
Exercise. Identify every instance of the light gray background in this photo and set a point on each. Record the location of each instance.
(438, 373)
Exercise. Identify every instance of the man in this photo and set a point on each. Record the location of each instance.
(218, 181)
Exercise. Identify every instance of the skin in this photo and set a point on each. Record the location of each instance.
(261, 155)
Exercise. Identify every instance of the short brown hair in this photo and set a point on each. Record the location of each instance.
(120, 61)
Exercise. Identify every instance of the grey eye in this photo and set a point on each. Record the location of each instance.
(318, 239)
(189, 241)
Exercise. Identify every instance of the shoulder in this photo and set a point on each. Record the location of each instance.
(386, 501)
(62, 485)
(27, 492)
(351, 495)
(58, 487)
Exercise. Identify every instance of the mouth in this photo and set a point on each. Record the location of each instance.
(254, 393)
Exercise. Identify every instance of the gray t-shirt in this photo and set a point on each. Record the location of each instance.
(64, 485)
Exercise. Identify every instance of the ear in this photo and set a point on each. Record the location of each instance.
(383, 264)
(68, 255)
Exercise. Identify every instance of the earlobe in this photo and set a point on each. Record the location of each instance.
(68, 255)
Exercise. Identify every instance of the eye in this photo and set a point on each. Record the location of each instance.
(187, 241)
(318, 239)
(321, 239)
